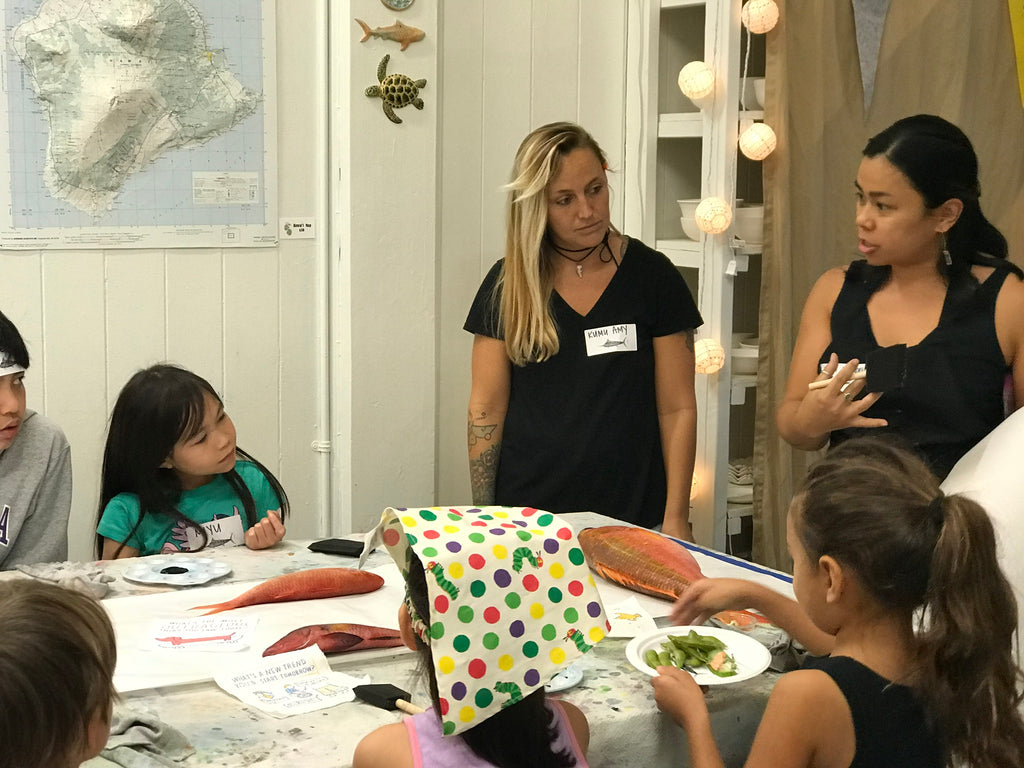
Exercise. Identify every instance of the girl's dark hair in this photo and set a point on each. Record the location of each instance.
(158, 407)
(518, 735)
(940, 163)
(12, 346)
(877, 509)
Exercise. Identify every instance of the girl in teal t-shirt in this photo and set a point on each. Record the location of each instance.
(173, 478)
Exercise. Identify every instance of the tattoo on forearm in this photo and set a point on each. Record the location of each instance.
(483, 470)
(479, 431)
(689, 339)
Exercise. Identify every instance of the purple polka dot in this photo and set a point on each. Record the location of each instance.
(551, 546)
(502, 578)
(459, 691)
(594, 609)
(520, 523)
(453, 546)
(531, 678)
(516, 628)
(497, 531)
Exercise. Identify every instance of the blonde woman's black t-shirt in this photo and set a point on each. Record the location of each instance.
(581, 433)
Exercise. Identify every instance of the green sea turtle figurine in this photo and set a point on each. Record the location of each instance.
(395, 90)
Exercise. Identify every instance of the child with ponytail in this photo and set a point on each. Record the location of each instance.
(909, 619)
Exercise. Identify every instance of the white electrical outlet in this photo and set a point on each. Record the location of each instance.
(297, 228)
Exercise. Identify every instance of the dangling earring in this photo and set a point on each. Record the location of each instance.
(945, 252)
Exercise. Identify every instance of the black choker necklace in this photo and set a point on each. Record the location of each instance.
(564, 253)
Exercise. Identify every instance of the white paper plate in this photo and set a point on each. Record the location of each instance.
(752, 658)
(176, 570)
(565, 679)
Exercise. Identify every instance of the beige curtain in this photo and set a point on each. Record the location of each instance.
(945, 57)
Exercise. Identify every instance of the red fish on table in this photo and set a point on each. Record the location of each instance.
(311, 584)
(640, 559)
(336, 638)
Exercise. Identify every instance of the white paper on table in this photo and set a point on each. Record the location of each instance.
(290, 683)
(629, 619)
(224, 634)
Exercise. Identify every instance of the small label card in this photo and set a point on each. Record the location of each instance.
(290, 683)
(203, 633)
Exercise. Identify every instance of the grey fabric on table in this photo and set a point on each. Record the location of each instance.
(139, 739)
(81, 577)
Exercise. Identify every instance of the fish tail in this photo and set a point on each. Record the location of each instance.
(366, 30)
(217, 608)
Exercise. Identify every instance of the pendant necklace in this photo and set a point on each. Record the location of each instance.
(564, 253)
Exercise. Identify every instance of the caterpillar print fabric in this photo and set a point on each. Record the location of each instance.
(511, 601)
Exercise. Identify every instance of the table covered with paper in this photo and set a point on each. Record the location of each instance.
(207, 677)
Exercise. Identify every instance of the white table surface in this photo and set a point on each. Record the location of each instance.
(626, 727)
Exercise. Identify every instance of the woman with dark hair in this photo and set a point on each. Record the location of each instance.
(35, 467)
(934, 309)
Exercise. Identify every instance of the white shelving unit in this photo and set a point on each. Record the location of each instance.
(678, 151)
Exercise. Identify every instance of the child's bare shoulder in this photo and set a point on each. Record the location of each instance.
(386, 747)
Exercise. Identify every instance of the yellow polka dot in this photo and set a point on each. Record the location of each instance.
(537, 531)
(556, 571)
(590, 578)
(455, 570)
(500, 552)
(446, 664)
(502, 515)
(409, 522)
(537, 611)
(467, 714)
(557, 655)
(595, 634)
(451, 529)
(505, 663)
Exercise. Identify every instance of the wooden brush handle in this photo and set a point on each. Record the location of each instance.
(409, 707)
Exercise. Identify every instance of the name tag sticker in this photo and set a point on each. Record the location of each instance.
(611, 338)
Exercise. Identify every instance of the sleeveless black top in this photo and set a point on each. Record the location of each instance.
(888, 721)
(952, 393)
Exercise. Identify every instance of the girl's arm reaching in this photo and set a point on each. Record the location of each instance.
(267, 532)
(706, 597)
(110, 547)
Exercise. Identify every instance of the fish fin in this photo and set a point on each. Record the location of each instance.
(366, 30)
(630, 581)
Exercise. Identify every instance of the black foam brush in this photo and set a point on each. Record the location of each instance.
(386, 696)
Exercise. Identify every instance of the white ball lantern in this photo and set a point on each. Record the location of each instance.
(713, 215)
(758, 141)
(696, 80)
(709, 356)
(760, 16)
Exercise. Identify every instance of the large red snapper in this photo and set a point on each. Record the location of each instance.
(640, 559)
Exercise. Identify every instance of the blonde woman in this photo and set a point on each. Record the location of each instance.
(582, 395)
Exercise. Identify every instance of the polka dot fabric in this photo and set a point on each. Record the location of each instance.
(511, 601)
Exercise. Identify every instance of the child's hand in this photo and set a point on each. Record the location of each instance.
(677, 694)
(706, 597)
(266, 533)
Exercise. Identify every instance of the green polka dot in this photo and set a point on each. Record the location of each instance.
(491, 641)
(483, 698)
(512, 600)
(545, 519)
(448, 728)
(524, 535)
(548, 632)
(571, 615)
(529, 649)
(411, 539)
(477, 588)
(460, 643)
(426, 514)
(555, 595)
(430, 552)
(576, 556)
(437, 630)
(486, 517)
(465, 614)
(476, 538)
(455, 517)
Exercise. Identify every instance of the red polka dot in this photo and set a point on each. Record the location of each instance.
(530, 583)
(441, 603)
(492, 615)
(479, 522)
(530, 512)
(477, 669)
(430, 534)
(477, 561)
(391, 537)
(443, 706)
(575, 588)
(564, 533)
(507, 525)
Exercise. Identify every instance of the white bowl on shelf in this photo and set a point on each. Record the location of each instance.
(759, 90)
(751, 90)
(744, 361)
(690, 228)
(748, 223)
(747, 342)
